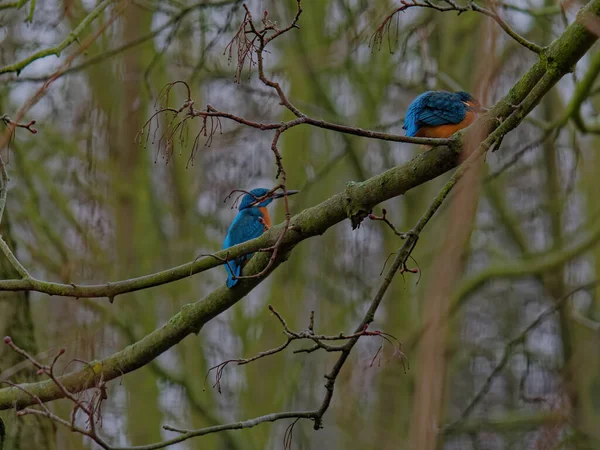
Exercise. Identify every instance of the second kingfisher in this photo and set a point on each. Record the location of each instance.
(440, 114)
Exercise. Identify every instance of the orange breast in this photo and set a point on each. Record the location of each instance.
(265, 214)
(445, 131)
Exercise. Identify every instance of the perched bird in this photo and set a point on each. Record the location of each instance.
(251, 221)
(440, 114)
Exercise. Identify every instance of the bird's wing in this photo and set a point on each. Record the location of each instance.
(245, 227)
(441, 109)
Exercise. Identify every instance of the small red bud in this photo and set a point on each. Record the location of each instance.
(7, 339)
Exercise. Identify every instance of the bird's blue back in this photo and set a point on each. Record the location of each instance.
(245, 227)
(435, 108)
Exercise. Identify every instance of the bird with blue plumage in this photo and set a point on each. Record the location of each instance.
(440, 114)
(250, 222)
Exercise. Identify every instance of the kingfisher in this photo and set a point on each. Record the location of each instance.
(251, 221)
(440, 114)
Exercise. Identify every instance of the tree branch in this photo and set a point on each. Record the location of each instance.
(56, 50)
(452, 6)
(536, 265)
(13, 259)
(92, 60)
(13, 5)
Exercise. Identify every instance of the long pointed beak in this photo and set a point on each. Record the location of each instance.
(280, 194)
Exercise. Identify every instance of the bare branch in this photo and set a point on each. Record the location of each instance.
(92, 408)
(307, 334)
(384, 219)
(28, 126)
(447, 6)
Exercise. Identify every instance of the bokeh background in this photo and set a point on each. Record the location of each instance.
(89, 204)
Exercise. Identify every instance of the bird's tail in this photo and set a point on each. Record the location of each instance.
(237, 269)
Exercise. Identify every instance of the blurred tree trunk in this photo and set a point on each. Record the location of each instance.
(136, 250)
(429, 399)
(585, 329)
(29, 432)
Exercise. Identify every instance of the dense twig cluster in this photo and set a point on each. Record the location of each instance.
(90, 407)
(308, 334)
(246, 46)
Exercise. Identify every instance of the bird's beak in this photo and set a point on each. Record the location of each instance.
(280, 194)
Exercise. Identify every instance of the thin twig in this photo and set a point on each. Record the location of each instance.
(384, 28)
(28, 126)
(307, 334)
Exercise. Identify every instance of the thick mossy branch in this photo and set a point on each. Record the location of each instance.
(311, 222)
(557, 60)
(356, 212)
